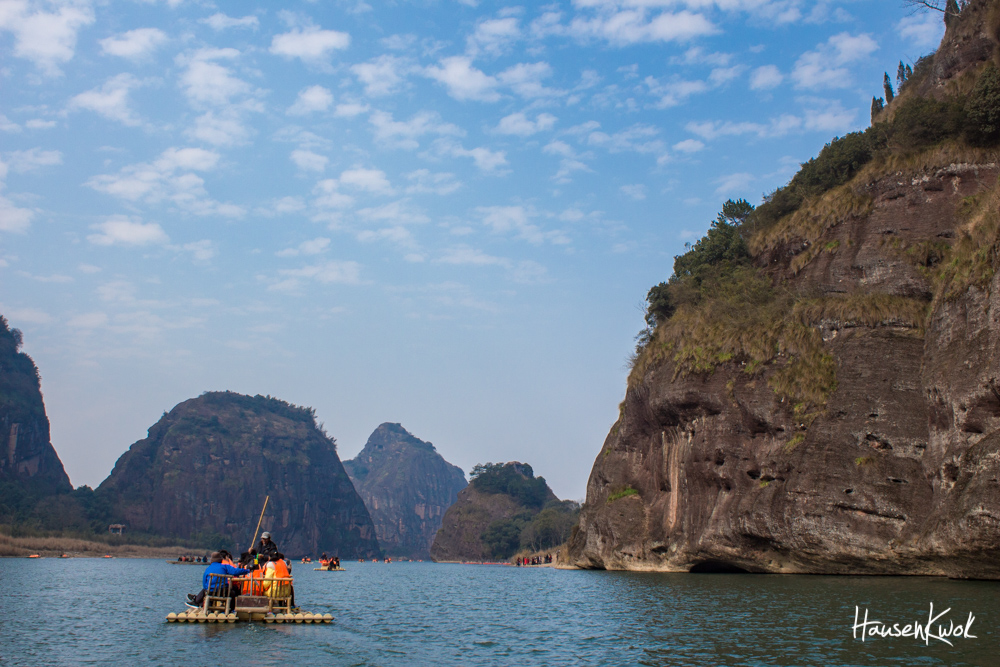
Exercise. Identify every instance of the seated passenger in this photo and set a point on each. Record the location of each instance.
(215, 567)
(277, 569)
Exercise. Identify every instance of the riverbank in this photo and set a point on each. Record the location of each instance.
(51, 547)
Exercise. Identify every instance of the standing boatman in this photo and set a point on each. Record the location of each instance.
(266, 546)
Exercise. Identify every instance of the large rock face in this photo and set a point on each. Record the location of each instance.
(406, 486)
(205, 468)
(30, 469)
(899, 474)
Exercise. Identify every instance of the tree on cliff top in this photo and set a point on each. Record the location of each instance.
(516, 480)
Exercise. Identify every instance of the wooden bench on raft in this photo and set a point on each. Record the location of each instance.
(264, 595)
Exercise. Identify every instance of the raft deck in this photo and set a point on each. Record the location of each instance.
(199, 616)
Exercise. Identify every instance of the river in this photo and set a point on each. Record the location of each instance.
(105, 611)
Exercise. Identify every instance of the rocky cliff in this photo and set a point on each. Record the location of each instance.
(406, 486)
(30, 469)
(504, 509)
(206, 466)
(826, 398)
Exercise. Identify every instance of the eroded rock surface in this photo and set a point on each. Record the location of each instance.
(407, 487)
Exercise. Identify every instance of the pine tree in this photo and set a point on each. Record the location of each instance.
(901, 74)
(909, 72)
(877, 105)
(887, 85)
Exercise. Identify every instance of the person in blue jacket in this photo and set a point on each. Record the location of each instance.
(215, 567)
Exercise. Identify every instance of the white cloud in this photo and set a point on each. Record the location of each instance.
(734, 183)
(384, 75)
(7, 125)
(673, 92)
(27, 315)
(168, 178)
(14, 219)
(314, 247)
(921, 30)
(326, 273)
(486, 160)
(46, 38)
(328, 195)
(220, 21)
(350, 109)
(466, 255)
(306, 160)
(826, 67)
(776, 127)
(201, 251)
(422, 181)
(134, 44)
(520, 125)
(310, 44)
(766, 78)
(32, 159)
(369, 180)
(404, 134)
(395, 213)
(493, 36)
(37, 124)
(689, 146)
(225, 128)
(89, 321)
(398, 235)
(636, 191)
(570, 162)
(637, 138)
(525, 79)
(121, 230)
(110, 100)
(206, 82)
(516, 220)
(463, 81)
(828, 116)
(313, 98)
(622, 24)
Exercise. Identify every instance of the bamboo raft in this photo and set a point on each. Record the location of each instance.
(220, 607)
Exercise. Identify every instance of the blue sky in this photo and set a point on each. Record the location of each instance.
(445, 214)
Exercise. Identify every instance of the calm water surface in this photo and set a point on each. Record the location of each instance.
(95, 611)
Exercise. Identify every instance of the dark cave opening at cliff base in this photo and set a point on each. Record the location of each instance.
(717, 567)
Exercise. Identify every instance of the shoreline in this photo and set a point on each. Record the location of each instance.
(54, 547)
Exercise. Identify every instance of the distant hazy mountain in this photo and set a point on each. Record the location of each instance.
(407, 487)
(30, 469)
(204, 470)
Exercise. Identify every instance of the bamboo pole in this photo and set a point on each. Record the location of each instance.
(254, 540)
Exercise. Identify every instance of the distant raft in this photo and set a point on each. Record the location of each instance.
(330, 569)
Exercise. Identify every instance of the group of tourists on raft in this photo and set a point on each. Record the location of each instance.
(264, 571)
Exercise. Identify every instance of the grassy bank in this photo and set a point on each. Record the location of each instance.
(21, 547)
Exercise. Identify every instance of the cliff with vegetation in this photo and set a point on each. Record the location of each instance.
(503, 510)
(406, 486)
(204, 469)
(818, 389)
(30, 469)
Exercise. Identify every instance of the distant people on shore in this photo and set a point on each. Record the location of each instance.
(526, 561)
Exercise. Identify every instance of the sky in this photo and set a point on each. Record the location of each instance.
(442, 213)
